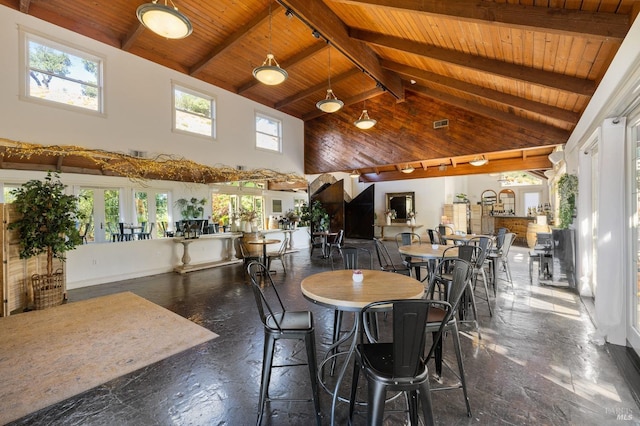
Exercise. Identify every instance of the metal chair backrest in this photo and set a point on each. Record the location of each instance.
(485, 244)
(384, 258)
(508, 242)
(408, 333)
(434, 236)
(544, 240)
(257, 271)
(352, 258)
(407, 238)
(500, 237)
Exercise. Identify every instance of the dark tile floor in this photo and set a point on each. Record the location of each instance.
(534, 364)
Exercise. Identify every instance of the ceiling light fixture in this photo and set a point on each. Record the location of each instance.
(164, 20)
(269, 72)
(479, 161)
(354, 174)
(331, 103)
(407, 169)
(364, 122)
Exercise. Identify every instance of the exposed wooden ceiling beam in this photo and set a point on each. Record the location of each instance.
(352, 100)
(291, 62)
(510, 101)
(319, 16)
(24, 6)
(506, 165)
(477, 63)
(242, 32)
(553, 136)
(132, 35)
(594, 25)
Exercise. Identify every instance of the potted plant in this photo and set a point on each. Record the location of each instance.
(47, 225)
(567, 190)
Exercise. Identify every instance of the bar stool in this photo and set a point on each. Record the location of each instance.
(282, 324)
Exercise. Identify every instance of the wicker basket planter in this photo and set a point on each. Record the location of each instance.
(48, 290)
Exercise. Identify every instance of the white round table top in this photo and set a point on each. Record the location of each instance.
(426, 251)
(336, 289)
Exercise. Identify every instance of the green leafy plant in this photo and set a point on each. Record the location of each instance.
(49, 217)
(191, 208)
(567, 190)
(315, 216)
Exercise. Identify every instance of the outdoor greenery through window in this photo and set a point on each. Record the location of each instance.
(268, 133)
(61, 74)
(193, 112)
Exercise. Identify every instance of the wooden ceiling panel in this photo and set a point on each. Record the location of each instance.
(522, 71)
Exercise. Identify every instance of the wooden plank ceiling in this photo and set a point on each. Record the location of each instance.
(512, 77)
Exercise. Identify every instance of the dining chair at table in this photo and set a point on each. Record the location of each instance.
(385, 261)
(435, 237)
(317, 242)
(443, 280)
(395, 360)
(442, 321)
(279, 254)
(247, 255)
(279, 323)
(413, 263)
(485, 244)
(352, 258)
(501, 258)
(335, 243)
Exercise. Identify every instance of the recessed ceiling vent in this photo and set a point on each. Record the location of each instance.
(439, 124)
(137, 154)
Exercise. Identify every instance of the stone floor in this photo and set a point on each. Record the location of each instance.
(534, 365)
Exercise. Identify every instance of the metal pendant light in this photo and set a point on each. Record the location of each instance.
(331, 103)
(269, 72)
(164, 20)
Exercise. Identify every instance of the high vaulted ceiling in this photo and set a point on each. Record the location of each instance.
(511, 77)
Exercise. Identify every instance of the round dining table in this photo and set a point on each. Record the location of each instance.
(338, 290)
(264, 242)
(465, 238)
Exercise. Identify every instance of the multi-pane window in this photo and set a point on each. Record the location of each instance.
(268, 133)
(193, 112)
(61, 74)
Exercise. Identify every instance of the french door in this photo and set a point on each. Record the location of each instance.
(633, 329)
(101, 206)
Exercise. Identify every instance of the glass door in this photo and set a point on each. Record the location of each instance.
(101, 208)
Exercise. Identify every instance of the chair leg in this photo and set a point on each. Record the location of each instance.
(267, 360)
(437, 354)
(474, 309)
(412, 400)
(486, 290)
(375, 404)
(354, 389)
(427, 407)
(337, 326)
(456, 344)
(310, 343)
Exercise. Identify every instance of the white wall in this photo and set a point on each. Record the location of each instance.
(137, 116)
(138, 109)
(617, 96)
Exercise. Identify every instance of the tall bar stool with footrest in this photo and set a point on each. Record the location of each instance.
(282, 324)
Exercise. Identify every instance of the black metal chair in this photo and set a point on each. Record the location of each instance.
(385, 261)
(413, 263)
(485, 244)
(442, 318)
(336, 243)
(279, 254)
(395, 361)
(281, 324)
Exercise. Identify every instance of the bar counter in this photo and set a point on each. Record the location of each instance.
(516, 224)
